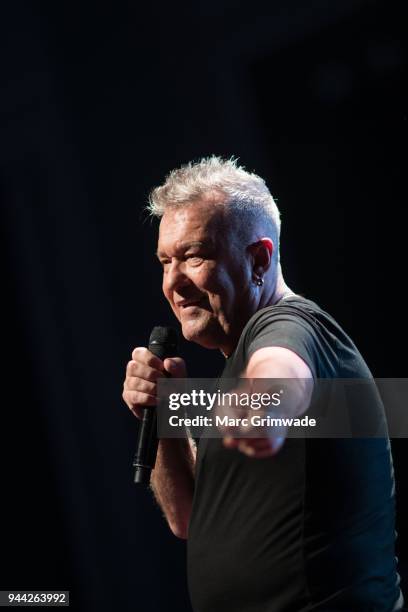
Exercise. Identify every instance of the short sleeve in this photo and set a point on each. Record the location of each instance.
(287, 331)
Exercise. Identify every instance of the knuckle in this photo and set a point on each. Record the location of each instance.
(129, 383)
(153, 375)
(148, 387)
(130, 366)
(134, 398)
(139, 398)
(139, 352)
(142, 355)
(126, 399)
(151, 360)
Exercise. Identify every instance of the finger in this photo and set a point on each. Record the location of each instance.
(257, 443)
(246, 449)
(262, 447)
(143, 355)
(262, 454)
(254, 447)
(141, 370)
(138, 398)
(277, 443)
(230, 442)
(139, 384)
(176, 367)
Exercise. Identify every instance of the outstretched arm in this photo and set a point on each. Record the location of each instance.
(276, 362)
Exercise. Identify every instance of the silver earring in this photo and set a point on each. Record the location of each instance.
(260, 281)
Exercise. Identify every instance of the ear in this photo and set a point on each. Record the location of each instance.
(261, 255)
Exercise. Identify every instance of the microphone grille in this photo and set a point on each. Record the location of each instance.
(163, 335)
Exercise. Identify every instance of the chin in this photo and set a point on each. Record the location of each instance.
(200, 333)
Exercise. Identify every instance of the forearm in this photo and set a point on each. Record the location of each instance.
(277, 363)
(172, 482)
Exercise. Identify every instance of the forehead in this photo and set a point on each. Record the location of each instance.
(200, 222)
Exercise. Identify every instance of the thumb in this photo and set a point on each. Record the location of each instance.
(176, 367)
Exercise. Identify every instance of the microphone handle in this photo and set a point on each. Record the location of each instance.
(147, 443)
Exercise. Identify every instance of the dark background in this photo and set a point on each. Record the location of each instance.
(99, 101)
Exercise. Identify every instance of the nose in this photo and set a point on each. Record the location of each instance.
(175, 277)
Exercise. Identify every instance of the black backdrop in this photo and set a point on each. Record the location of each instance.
(99, 101)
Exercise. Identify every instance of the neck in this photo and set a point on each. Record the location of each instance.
(276, 292)
(270, 296)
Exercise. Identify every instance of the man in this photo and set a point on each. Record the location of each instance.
(272, 525)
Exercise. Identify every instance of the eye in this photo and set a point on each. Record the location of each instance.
(164, 262)
(194, 260)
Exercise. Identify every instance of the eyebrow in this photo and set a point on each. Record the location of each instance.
(184, 246)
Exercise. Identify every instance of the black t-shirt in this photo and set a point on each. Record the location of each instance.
(311, 528)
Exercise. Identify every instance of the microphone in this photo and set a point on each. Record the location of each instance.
(162, 343)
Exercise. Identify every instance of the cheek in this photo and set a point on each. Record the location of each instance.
(233, 288)
(167, 293)
(221, 290)
(164, 289)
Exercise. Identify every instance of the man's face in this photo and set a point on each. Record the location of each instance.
(206, 276)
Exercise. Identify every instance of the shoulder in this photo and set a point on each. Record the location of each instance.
(294, 307)
(287, 317)
(287, 327)
(302, 326)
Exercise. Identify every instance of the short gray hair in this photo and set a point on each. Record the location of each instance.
(245, 193)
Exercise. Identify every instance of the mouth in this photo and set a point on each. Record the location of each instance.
(186, 304)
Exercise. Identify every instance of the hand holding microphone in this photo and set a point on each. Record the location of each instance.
(140, 392)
